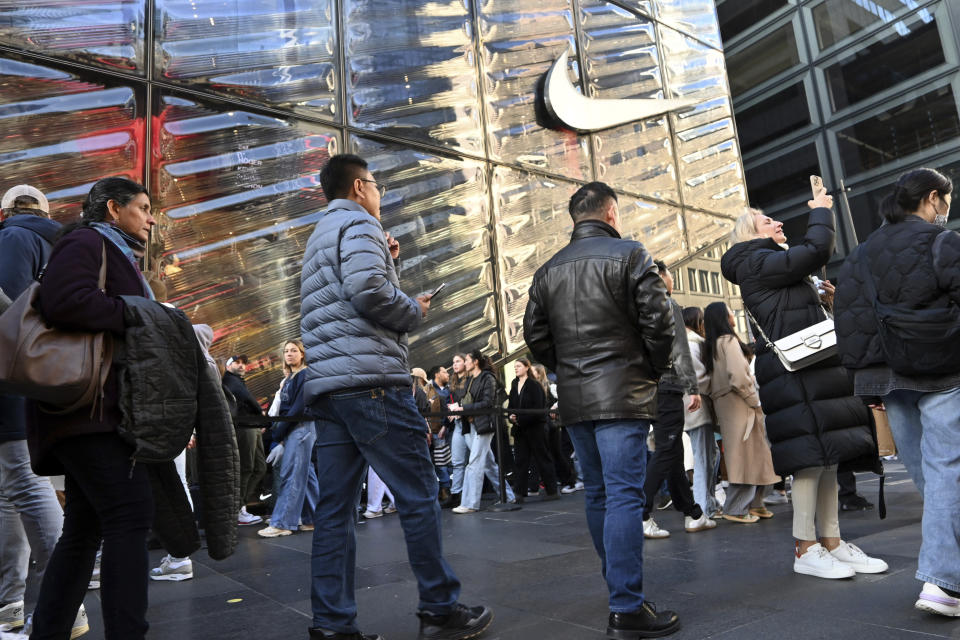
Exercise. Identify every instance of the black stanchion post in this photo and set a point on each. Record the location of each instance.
(502, 505)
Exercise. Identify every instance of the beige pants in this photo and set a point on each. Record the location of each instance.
(815, 503)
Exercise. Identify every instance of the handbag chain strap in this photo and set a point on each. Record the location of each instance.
(760, 329)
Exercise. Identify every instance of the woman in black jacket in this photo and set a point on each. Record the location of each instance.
(529, 432)
(813, 421)
(910, 267)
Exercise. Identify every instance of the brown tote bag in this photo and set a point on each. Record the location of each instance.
(63, 369)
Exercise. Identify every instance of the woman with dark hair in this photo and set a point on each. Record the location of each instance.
(699, 424)
(814, 422)
(107, 496)
(530, 432)
(734, 394)
(908, 270)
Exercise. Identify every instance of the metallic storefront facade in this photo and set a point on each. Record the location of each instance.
(227, 110)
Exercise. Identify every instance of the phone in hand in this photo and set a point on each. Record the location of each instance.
(816, 185)
(433, 294)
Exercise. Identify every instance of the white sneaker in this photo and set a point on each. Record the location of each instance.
(652, 530)
(572, 488)
(936, 600)
(850, 554)
(462, 509)
(817, 561)
(776, 498)
(273, 532)
(173, 569)
(248, 518)
(11, 616)
(390, 508)
(692, 525)
(80, 624)
(372, 514)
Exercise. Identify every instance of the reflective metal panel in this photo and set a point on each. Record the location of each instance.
(62, 133)
(711, 177)
(695, 17)
(412, 72)
(519, 41)
(103, 33)
(236, 196)
(622, 61)
(438, 210)
(281, 53)
(659, 227)
(704, 229)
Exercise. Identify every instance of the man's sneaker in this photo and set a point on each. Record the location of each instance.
(856, 503)
(645, 622)
(853, 556)
(316, 633)
(652, 530)
(372, 514)
(11, 615)
(173, 569)
(80, 624)
(248, 518)
(662, 502)
(273, 532)
(306, 527)
(463, 509)
(819, 562)
(692, 525)
(936, 600)
(462, 623)
(572, 488)
(776, 497)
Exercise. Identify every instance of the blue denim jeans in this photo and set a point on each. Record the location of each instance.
(613, 456)
(935, 418)
(705, 461)
(297, 499)
(382, 427)
(481, 463)
(458, 454)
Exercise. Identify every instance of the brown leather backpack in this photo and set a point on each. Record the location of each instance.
(63, 369)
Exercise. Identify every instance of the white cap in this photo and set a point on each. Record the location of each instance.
(24, 190)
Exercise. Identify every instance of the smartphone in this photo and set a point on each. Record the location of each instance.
(433, 294)
(816, 185)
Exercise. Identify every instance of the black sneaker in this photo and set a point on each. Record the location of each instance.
(462, 623)
(856, 503)
(316, 633)
(645, 622)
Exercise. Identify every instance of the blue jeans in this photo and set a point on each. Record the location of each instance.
(480, 464)
(935, 418)
(298, 480)
(458, 454)
(613, 456)
(382, 427)
(705, 461)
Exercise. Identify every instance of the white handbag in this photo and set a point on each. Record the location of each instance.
(805, 347)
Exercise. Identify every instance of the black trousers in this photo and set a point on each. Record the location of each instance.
(105, 499)
(561, 463)
(848, 485)
(667, 461)
(531, 442)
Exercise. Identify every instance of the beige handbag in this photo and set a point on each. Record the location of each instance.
(63, 369)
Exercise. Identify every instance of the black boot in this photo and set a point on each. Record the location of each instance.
(443, 495)
(452, 501)
(462, 623)
(317, 633)
(645, 622)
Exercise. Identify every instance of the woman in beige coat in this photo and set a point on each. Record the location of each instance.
(737, 407)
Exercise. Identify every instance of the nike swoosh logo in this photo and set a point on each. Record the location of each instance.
(583, 114)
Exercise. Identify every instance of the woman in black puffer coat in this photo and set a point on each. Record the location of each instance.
(813, 420)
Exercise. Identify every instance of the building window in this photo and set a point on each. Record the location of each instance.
(692, 279)
(781, 113)
(786, 177)
(762, 60)
(924, 122)
(834, 20)
(715, 283)
(736, 16)
(678, 280)
(704, 281)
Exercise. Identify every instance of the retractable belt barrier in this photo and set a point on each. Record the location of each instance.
(255, 422)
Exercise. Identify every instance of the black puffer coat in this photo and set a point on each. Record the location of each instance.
(812, 417)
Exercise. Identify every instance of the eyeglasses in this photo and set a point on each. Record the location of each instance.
(382, 188)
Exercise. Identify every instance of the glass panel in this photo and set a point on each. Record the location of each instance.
(783, 112)
(519, 42)
(623, 62)
(710, 173)
(786, 177)
(236, 196)
(834, 20)
(925, 122)
(659, 227)
(643, 6)
(532, 224)
(771, 55)
(281, 53)
(64, 131)
(103, 33)
(438, 209)
(795, 228)
(412, 73)
(695, 17)
(865, 210)
(736, 16)
(692, 279)
(899, 56)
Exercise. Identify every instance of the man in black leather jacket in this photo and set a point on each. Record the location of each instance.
(598, 316)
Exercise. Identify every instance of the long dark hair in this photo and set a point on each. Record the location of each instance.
(910, 190)
(120, 190)
(693, 319)
(482, 361)
(716, 324)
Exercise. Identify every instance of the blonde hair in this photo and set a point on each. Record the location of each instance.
(745, 228)
(288, 370)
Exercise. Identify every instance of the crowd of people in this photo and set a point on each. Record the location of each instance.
(613, 401)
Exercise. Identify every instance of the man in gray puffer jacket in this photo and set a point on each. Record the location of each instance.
(354, 324)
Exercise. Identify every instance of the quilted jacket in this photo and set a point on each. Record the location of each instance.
(354, 317)
(812, 417)
(901, 261)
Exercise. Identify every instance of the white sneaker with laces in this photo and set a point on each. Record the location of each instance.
(273, 532)
(11, 616)
(776, 498)
(936, 600)
(652, 530)
(173, 569)
(463, 509)
(80, 624)
(390, 508)
(852, 555)
(702, 523)
(246, 518)
(819, 562)
(372, 514)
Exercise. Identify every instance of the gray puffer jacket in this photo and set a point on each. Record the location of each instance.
(354, 317)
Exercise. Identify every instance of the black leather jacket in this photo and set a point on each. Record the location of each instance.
(599, 316)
